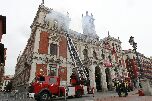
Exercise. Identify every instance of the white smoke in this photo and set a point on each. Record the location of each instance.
(88, 24)
(61, 19)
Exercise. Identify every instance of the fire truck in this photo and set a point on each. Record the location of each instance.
(44, 88)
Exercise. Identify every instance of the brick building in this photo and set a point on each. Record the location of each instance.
(47, 53)
(2, 49)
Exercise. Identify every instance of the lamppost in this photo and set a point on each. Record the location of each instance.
(134, 45)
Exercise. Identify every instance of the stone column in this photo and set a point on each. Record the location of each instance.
(103, 79)
(92, 76)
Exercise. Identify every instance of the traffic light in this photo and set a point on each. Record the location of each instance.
(1, 53)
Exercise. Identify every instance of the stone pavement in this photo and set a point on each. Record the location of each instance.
(129, 98)
(133, 96)
(99, 96)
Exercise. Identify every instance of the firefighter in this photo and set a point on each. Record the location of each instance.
(73, 79)
(126, 85)
(126, 88)
(122, 89)
(116, 84)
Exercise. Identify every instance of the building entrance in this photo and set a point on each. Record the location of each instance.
(98, 79)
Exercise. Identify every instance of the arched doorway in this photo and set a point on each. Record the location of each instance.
(108, 78)
(98, 78)
(86, 64)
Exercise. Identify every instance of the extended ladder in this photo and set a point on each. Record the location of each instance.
(80, 69)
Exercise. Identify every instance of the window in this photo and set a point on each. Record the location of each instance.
(113, 44)
(53, 70)
(41, 78)
(95, 55)
(120, 62)
(53, 49)
(85, 53)
(103, 56)
(53, 80)
(109, 58)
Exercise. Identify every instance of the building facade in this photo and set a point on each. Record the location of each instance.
(132, 66)
(146, 66)
(47, 53)
(2, 49)
(135, 70)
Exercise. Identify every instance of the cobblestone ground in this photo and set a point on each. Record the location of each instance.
(133, 96)
(129, 98)
(99, 96)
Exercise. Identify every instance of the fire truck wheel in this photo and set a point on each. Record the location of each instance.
(44, 96)
(78, 93)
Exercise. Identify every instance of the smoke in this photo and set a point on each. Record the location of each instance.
(60, 19)
(88, 24)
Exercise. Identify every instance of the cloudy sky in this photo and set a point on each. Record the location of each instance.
(122, 18)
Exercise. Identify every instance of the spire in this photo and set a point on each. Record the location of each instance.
(108, 34)
(42, 1)
(86, 13)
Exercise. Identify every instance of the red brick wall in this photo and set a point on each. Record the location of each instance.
(63, 47)
(44, 43)
(39, 67)
(63, 73)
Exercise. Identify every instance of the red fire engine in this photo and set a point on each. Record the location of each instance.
(43, 88)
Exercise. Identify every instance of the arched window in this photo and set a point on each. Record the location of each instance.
(95, 55)
(85, 53)
(102, 54)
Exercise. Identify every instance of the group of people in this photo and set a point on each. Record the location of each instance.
(122, 87)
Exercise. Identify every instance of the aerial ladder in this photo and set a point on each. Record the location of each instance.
(80, 72)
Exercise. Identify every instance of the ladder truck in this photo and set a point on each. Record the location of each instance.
(44, 88)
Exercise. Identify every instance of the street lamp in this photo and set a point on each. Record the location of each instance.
(134, 45)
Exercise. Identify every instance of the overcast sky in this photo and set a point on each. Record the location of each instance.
(122, 18)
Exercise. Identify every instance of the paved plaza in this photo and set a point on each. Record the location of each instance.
(99, 96)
